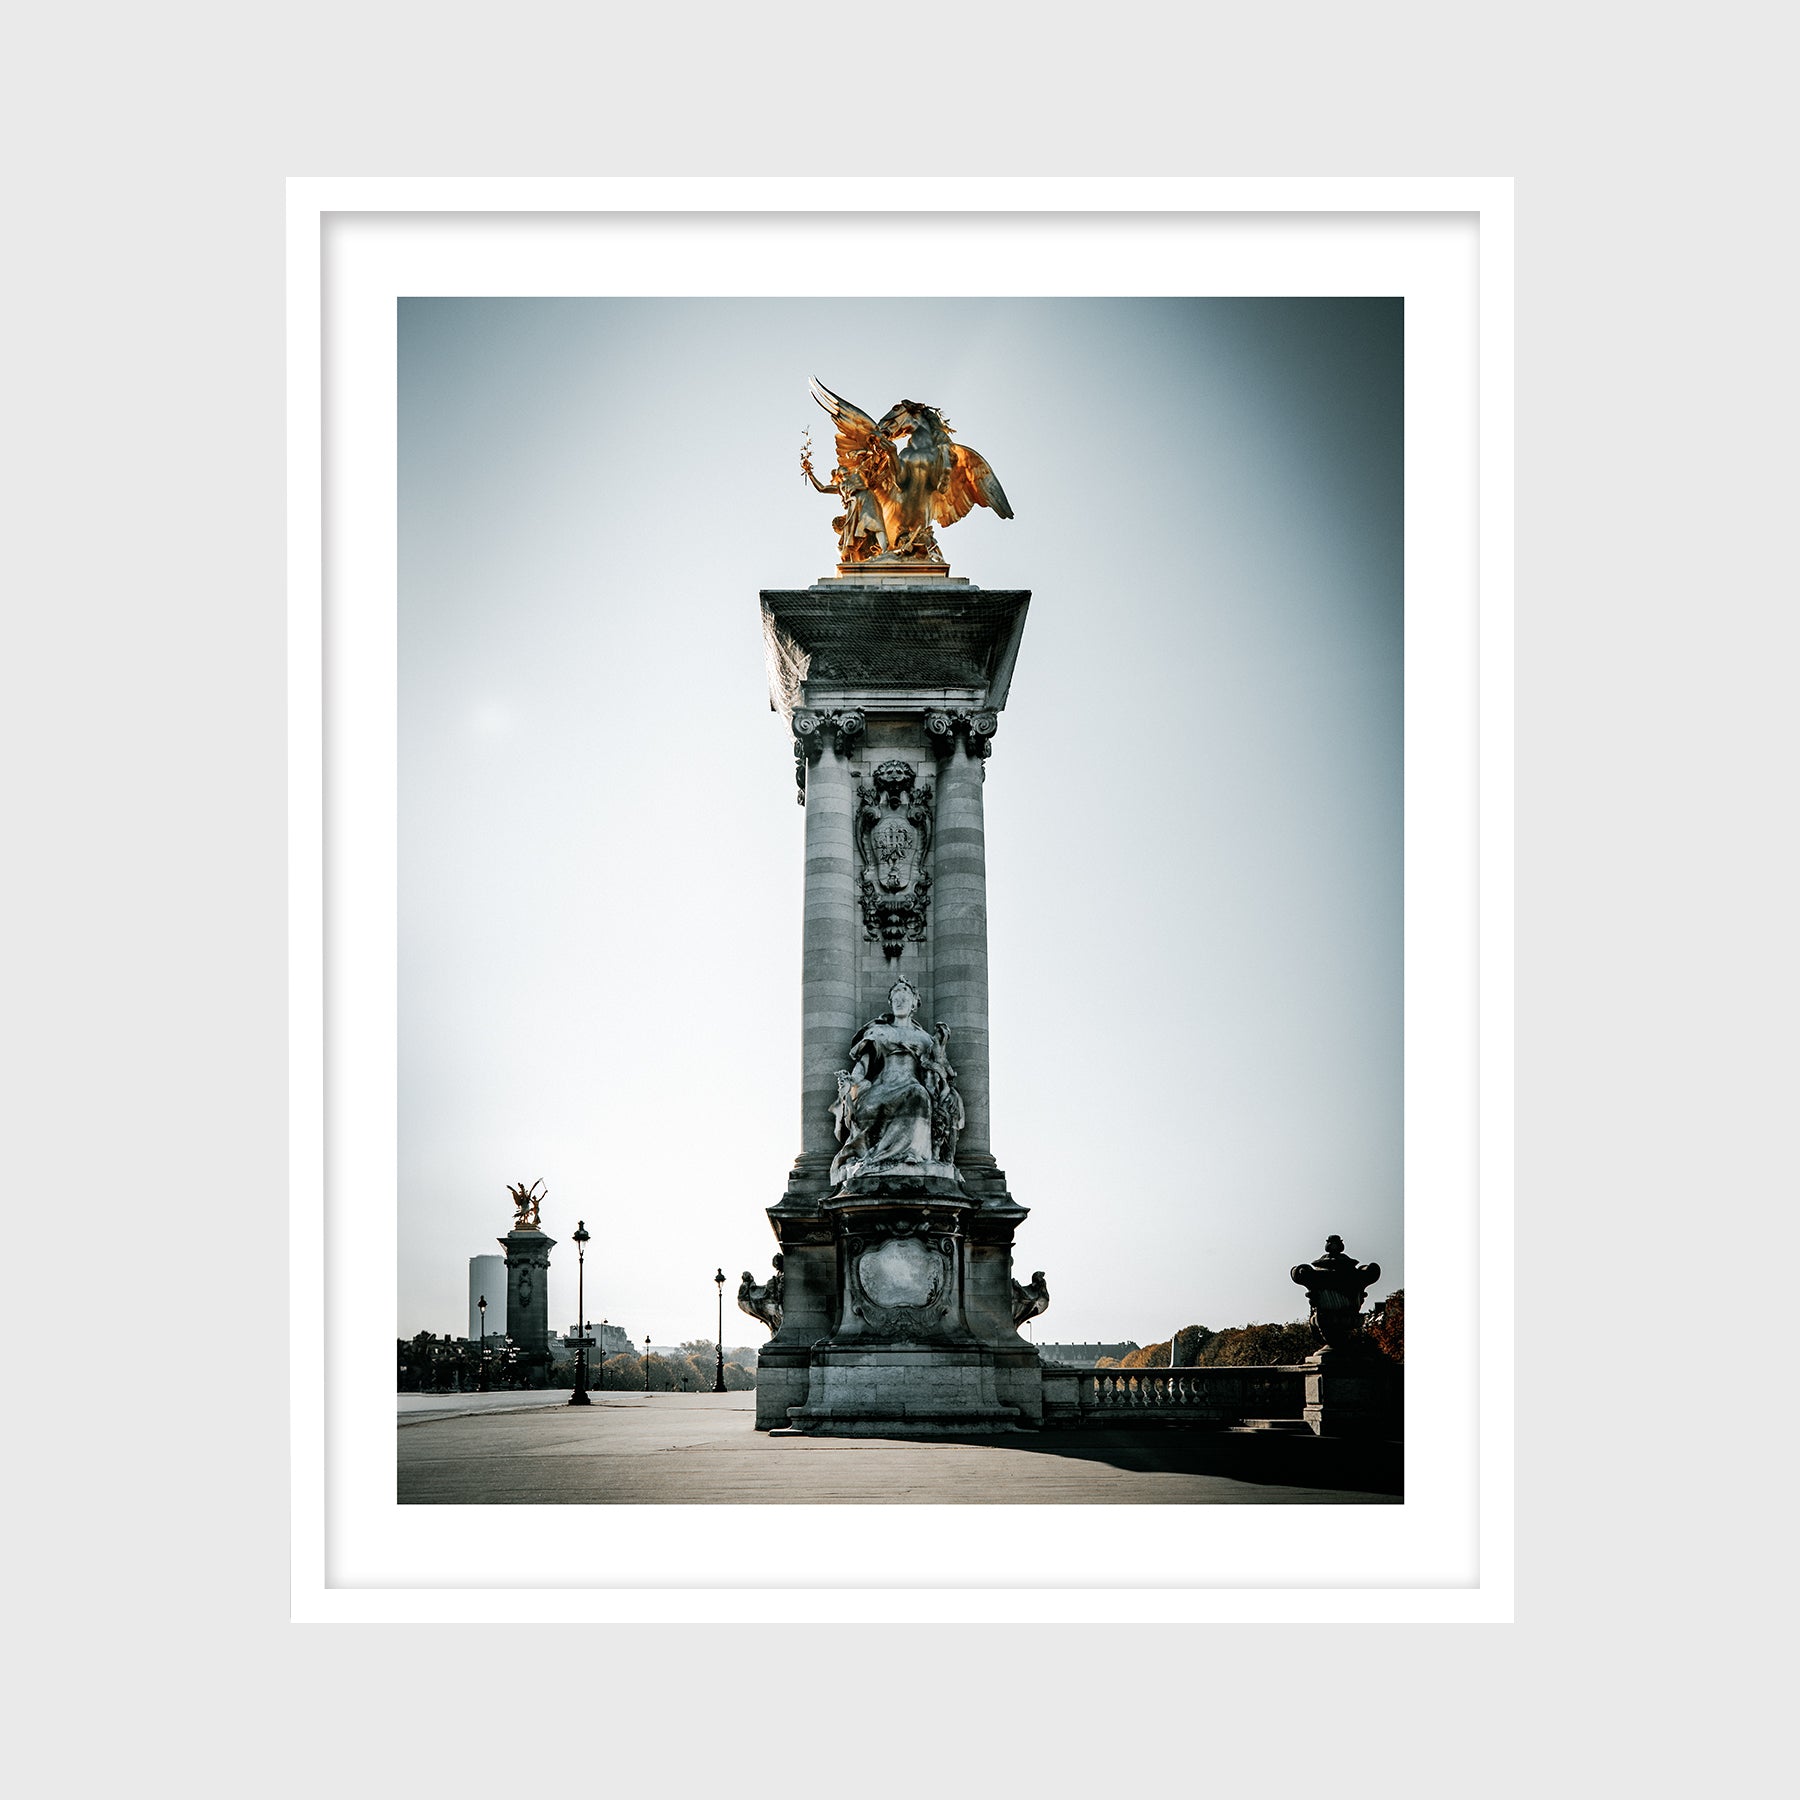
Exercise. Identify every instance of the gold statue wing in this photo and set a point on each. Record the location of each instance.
(971, 483)
(860, 444)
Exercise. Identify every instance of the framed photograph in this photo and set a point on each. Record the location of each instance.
(1066, 1105)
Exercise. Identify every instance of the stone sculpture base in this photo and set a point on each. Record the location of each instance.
(896, 568)
(922, 1342)
(900, 1392)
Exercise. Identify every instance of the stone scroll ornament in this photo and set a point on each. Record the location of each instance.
(893, 839)
(764, 1303)
(898, 477)
(812, 730)
(975, 728)
(1336, 1285)
(897, 1110)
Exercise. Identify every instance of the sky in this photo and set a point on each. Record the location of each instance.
(1193, 804)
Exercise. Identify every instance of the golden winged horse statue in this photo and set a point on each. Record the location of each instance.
(899, 477)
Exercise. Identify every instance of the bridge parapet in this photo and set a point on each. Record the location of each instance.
(1200, 1397)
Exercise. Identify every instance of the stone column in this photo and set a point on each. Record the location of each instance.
(959, 932)
(828, 938)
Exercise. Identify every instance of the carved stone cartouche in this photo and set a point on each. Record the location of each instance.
(893, 840)
(900, 1268)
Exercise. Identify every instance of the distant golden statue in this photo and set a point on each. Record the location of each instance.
(898, 478)
(526, 1201)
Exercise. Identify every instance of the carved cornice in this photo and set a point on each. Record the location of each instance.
(803, 1232)
(976, 729)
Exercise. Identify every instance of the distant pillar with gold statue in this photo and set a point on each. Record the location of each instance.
(528, 1248)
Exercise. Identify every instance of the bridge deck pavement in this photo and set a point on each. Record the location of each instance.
(703, 1450)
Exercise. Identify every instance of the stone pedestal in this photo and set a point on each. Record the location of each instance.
(897, 1308)
(1352, 1394)
(528, 1297)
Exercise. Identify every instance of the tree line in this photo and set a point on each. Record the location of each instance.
(1238, 1346)
(430, 1364)
(690, 1370)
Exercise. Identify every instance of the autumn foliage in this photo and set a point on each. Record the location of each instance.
(1262, 1346)
(1386, 1328)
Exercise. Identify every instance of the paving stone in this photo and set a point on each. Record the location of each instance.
(702, 1449)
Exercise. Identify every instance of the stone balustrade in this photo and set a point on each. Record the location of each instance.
(1222, 1396)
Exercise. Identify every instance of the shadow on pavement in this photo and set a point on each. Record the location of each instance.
(1265, 1458)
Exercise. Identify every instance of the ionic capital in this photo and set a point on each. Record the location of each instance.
(976, 729)
(812, 729)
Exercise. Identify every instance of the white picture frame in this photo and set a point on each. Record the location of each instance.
(354, 245)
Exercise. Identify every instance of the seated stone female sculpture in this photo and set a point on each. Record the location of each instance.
(896, 1107)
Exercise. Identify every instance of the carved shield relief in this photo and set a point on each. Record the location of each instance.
(895, 847)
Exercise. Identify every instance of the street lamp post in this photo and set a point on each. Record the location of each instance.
(646, 1362)
(481, 1380)
(580, 1395)
(719, 1378)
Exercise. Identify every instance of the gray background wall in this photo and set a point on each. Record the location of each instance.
(145, 738)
